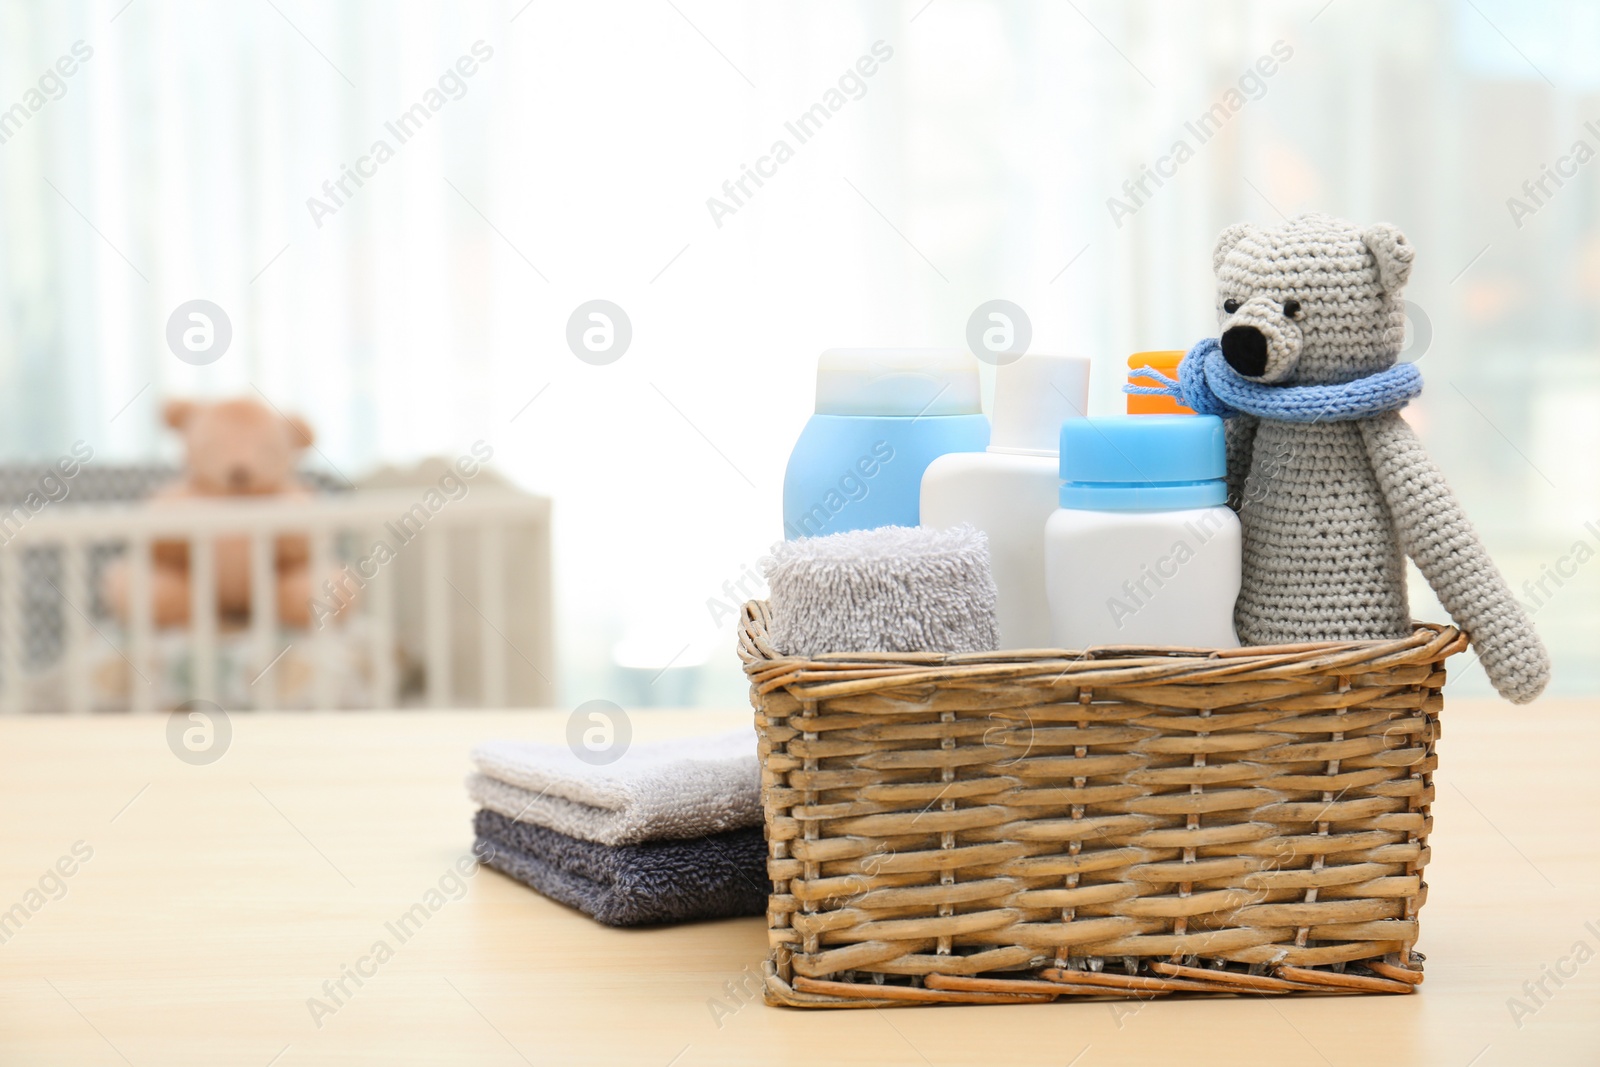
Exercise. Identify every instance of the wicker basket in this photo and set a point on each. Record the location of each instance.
(1021, 826)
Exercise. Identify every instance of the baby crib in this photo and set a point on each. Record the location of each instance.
(457, 614)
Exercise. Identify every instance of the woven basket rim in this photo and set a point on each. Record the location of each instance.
(837, 674)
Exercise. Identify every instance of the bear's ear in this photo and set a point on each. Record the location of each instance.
(1226, 242)
(300, 433)
(1393, 255)
(177, 413)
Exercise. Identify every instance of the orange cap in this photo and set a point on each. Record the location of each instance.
(1165, 361)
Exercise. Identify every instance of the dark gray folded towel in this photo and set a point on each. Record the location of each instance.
(712, 877)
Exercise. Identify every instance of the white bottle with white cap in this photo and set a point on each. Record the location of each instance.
(1010, 490)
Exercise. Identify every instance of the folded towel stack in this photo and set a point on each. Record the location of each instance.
(669, 833)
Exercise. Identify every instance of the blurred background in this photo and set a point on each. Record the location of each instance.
(195, 151)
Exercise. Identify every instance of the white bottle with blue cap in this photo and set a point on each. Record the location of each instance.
(1144, 549)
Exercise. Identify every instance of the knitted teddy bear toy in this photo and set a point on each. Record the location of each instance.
(1333, 488)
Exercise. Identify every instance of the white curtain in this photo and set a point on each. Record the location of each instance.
(428, 306)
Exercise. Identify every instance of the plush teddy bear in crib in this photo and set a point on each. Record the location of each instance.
(1334, 489)
(235, 449)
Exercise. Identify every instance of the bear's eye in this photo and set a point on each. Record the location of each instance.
(1230, 305)
(1291, 308)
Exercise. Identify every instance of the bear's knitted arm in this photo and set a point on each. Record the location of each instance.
(1240, 433)
(1435, 533)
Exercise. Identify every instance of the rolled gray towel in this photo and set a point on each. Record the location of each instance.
(714, 877)
(892, 589)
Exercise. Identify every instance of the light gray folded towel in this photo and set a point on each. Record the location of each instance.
(686, 787)
(892, 589)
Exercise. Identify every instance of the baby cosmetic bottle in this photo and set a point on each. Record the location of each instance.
(882, 416)
(1012, 488)
(1166, 361)
(1144, 549)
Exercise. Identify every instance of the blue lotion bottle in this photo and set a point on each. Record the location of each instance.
(882, 416)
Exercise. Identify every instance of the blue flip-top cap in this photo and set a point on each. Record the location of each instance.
(1143, 463)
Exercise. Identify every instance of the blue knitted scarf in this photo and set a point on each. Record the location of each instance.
(1208, 386)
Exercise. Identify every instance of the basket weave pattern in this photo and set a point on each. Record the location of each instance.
(1022, 826)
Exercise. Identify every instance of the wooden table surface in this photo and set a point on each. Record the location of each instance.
(208, 904)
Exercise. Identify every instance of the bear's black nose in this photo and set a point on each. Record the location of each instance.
(1245, 349)
(239, 477)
